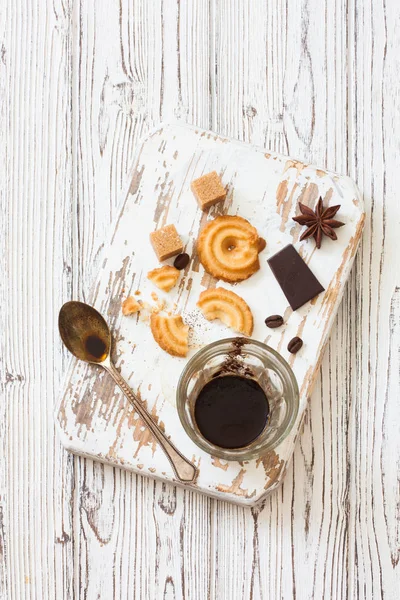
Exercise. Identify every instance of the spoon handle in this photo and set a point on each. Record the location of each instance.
(183, 468)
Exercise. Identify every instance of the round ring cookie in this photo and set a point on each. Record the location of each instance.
(228, 307)
(228, 248)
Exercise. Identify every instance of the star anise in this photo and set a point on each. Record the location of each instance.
(319, 222)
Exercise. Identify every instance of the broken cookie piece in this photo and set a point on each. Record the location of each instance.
(164, 277)
(130, 306)
(166, 242)
(228, 307)
(170, 333)
(208, 190)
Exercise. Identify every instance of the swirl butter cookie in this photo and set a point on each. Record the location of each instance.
(228, 307)
(228, 248)
(170, 333)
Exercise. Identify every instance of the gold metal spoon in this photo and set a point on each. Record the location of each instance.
(87, 336)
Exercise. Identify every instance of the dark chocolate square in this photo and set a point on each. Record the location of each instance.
(297, 281)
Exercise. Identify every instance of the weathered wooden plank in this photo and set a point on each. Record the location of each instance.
(4, 110)
(35, 508)
(4, 78)
(298, 115)
(315, 126)
(114, 70)
(149, 66)
(374, 534)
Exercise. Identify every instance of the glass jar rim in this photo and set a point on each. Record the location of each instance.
(279, 365)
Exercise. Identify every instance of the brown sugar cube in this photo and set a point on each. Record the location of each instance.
(166, 242)
(208, 190)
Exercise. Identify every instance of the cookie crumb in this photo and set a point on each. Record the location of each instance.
(130, 306)
(159, 307)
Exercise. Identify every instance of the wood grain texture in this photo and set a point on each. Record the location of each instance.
(35, 502)
(79, 84)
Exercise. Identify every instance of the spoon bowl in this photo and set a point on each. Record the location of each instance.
(87, 336)
(84, 332)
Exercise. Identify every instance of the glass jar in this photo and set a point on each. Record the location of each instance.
(246, 358)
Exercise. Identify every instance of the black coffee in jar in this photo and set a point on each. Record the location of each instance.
(231, 411)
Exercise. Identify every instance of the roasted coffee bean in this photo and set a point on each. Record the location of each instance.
(295, 344)
(274, 321)
(181, 261)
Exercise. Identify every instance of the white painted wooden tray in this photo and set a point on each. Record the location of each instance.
(93, 417)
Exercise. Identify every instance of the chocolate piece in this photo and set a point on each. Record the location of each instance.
(295, 344)
(181, 261)
(297, 281)
(274, 321)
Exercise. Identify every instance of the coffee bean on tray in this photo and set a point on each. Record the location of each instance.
(181, 261)
(295, 344)
(274, 321)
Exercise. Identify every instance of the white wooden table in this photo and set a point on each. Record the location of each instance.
(80, 83)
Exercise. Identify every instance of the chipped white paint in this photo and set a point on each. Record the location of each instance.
(93, 417)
